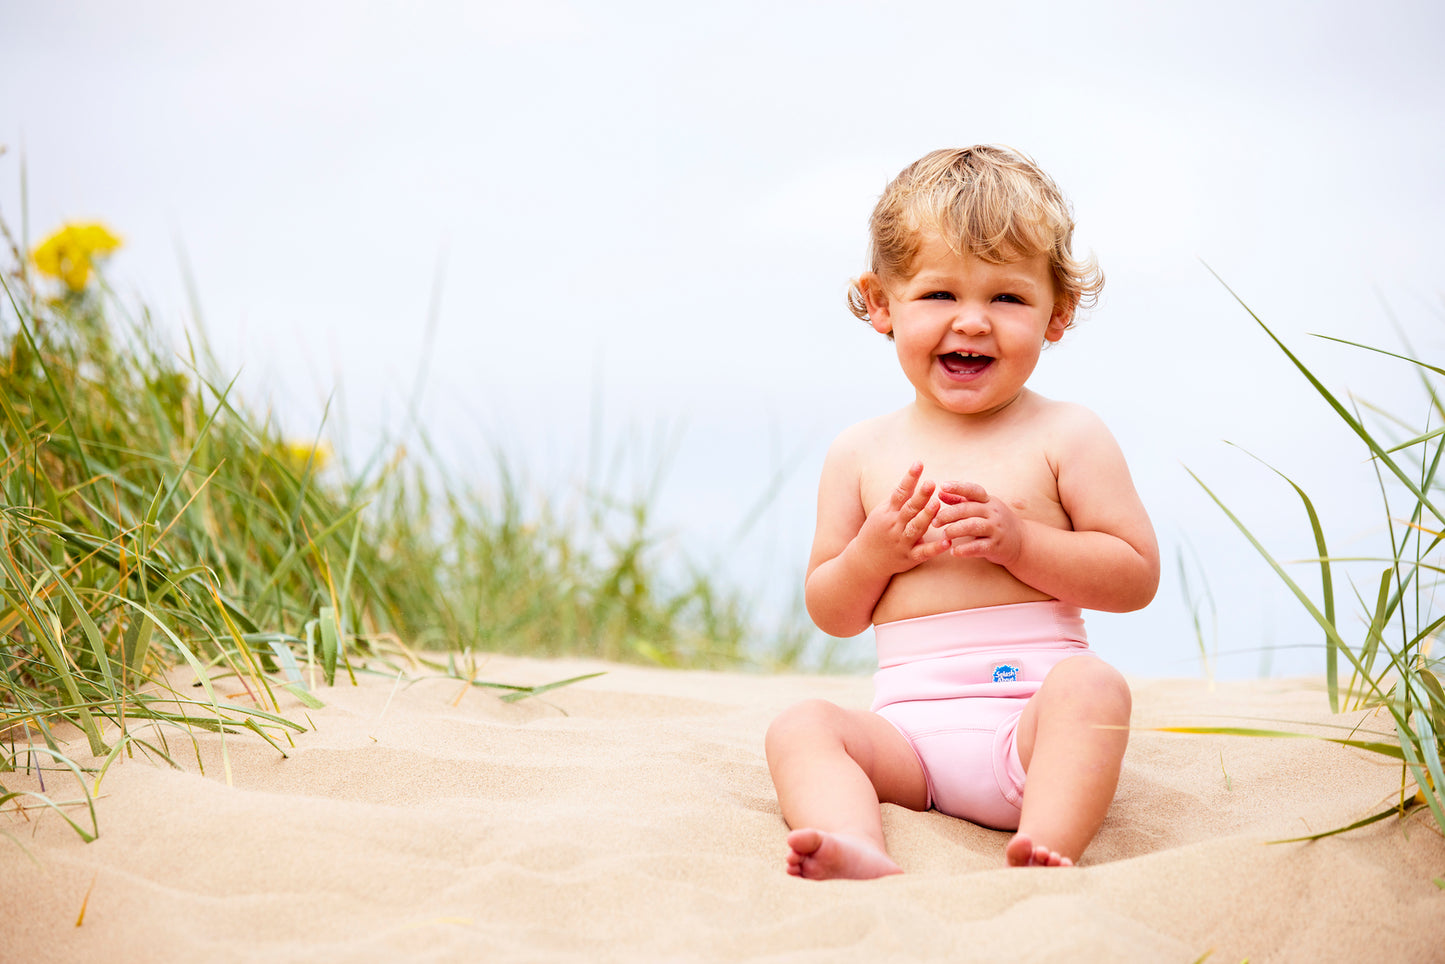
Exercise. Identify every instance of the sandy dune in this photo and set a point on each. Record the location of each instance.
(631, 818)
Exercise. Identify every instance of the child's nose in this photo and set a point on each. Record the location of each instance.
(971, 321)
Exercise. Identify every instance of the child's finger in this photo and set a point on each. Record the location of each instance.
(968, 547)
(925, 551)
(922, 518)
(922, 498)
(971, 528)
(928, 511)
(959, 512)
(946, 513)
(971, 545)
(909, 511)
(906, 487)
(955, 493)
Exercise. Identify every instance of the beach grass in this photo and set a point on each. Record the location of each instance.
(1392, 667)
(155, 533)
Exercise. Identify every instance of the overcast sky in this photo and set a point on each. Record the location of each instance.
(650, 210)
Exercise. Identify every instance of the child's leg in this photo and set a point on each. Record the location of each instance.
(832, 767)
(1071, 741)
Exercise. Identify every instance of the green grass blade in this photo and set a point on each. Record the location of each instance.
(1332, 634)
(1417, 440)
(1375, 818)
(1375, 634)
(200, 439)
(1343, 412)
(1422, 758)
(308, 699)
(330, 643)
(137, 643)
(1373, 746)
(1378, 351)
(89, 836)
(1436, 707)
(1327, 585)
(530, 691)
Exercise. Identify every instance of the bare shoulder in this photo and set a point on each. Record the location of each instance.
(869, 431)
(1072, 431)
(1067, 416)
(859, 444)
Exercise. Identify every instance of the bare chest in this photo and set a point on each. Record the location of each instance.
(1018, 472)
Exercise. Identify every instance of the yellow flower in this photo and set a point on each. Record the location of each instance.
(299, 453)
(69, 253)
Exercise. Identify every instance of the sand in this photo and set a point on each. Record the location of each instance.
(631, 818)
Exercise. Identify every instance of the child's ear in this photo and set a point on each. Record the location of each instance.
(1059, 321)
(876, 298)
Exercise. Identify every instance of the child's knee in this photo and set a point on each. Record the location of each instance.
(806, 720)
(1111, 690)
(1091, 683)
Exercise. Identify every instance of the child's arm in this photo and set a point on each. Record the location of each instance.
(1109, 561)
(855, 554)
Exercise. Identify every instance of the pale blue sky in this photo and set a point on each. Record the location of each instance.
(659, 206)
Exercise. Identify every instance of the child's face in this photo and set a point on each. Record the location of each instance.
(968, 332)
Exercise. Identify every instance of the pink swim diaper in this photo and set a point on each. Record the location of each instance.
(955, 684)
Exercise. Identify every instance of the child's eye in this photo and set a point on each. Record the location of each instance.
(938, 296)
(1011, 299)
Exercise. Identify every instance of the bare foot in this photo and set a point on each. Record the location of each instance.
(1023, 852)
(819, 856)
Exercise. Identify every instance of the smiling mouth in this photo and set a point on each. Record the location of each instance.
(958, 363)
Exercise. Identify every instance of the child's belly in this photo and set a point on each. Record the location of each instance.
(946, 584)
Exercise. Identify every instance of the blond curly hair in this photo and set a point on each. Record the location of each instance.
(990, 201)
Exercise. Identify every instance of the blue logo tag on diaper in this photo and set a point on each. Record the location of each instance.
(1005, 673)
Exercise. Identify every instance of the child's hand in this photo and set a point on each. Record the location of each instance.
(978, 526)
(892, 536)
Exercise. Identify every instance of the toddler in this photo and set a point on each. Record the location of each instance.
(988, 702)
